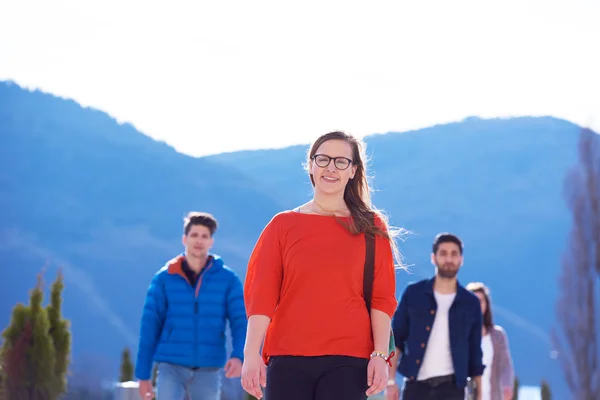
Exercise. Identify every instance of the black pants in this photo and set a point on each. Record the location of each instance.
(433, 389)
(316, 378)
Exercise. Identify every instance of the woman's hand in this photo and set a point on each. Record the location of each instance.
(254, 375)
(377, 375)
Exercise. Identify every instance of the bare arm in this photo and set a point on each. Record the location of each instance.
(381, 325)
(257, 328)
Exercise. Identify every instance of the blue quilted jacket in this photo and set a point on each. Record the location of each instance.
(184, 325)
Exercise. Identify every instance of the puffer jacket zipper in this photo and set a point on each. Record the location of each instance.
(196, 307)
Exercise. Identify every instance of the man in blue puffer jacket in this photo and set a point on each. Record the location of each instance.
(184, 320)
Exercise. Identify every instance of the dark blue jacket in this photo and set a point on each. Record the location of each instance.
(412, 324)
(186, 326)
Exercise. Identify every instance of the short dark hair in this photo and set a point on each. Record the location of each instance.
(446, 237)
(199, 218)
(478, 287)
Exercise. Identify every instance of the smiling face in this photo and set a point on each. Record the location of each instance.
(331, 166)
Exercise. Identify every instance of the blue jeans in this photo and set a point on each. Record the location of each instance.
(232, 389)
(174, 382)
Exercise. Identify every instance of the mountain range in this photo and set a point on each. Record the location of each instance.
(106, 203)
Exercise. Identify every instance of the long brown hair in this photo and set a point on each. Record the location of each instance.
(357, 194)
(479, 287)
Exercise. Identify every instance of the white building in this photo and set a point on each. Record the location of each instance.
(530, 393)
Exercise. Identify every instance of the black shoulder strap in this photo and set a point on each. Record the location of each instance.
(369, 271)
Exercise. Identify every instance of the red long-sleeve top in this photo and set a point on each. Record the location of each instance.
(306, 274)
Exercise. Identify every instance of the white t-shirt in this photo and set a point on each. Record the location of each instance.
(437, 360)
(488, 357)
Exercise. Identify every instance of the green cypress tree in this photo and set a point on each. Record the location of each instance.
(3, 394)
(42, 355)
(2, 382)
(61, 336)
(28, 353)
(126, 367)
(16, 346)
(545, 389)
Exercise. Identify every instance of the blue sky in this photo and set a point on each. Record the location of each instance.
(209, 77)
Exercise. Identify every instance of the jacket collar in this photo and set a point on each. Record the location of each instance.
(460, 290)
(175, 265)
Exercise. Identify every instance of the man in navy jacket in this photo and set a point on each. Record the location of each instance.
(437, 328)
(188, 304)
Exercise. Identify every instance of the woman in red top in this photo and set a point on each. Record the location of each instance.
(304, 288)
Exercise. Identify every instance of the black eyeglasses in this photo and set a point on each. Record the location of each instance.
(323, 161)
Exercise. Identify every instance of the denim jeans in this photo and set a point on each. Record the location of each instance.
(232, 389)
(174, 382)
